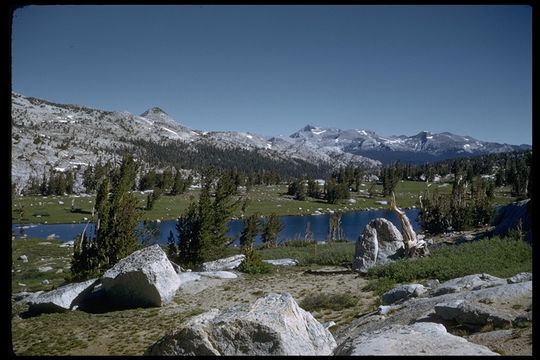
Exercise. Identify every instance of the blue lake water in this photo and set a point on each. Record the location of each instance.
(294, 227)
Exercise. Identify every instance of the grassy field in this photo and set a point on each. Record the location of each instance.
(501, 257)
(41, 254)
(261, 199)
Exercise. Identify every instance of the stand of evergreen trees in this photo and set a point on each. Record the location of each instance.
(202, 228)
(468, 206)
(114, 236)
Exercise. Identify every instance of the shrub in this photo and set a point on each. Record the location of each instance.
(253, 263)
(317, 301)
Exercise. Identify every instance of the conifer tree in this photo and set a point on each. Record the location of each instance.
(271, 229)
(172, 249)
(223, 208)
(250, 231)
(206, 220)
(188, 236)
(117, 218)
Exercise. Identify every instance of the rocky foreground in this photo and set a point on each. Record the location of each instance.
(414, 318)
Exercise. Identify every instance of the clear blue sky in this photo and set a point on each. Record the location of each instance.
(273, 69)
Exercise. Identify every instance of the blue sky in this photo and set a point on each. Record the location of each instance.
(271, 70)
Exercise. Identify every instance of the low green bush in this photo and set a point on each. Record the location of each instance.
(317, 301)
(253, 263)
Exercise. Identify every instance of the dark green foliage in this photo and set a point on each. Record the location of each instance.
(502, 257)
(117, 218)
(250, 231)
(460, 210)
(188, 241)
(313, 189)
(172, 249)
(336, 191)
(180, 185)
(260, 168)
(318, 301)
(149, 202)
(202, 229)
(253, 263)
(271, 229)
(148, 180)
(165, 180)
(350, 176)
(298, 189)
(85, 261)
(390, 178)
(153, 197)
(223, 207)
(93, 175)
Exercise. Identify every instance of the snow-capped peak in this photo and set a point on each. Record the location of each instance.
(154, 111)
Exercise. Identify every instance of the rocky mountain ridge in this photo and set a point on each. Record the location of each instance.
(48, 135)
(422, 147)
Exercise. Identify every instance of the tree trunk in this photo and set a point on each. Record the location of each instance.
(413, 246)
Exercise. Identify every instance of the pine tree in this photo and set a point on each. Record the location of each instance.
(166, 180)
(336, 191)
(179, 184)
(313, 189)
(117, 218)
(206, 220)
(172, 249)
(123, 213)
(223, 207)
(270, 230)
(250, 231)
(188, 236)
(149, 202)
(43, 186)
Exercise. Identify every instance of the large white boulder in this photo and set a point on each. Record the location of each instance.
(227, 263)
(273, 325)
(379, 243)
(423, 338)
(61, 299)
(144, 278)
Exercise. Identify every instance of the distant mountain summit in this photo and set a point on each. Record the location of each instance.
(422, 147)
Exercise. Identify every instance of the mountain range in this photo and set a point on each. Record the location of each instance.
(63, 136)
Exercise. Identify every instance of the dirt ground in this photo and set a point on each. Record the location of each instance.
(298, 281)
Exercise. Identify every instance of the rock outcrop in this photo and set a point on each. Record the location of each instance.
(473, 315)
(144, 278)
(508, 217)
(379, 243)
(62, 299)
(476, 301)
(424, 338)
(403, 292)
(469, 282)
(227, 263)
(273, 325)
